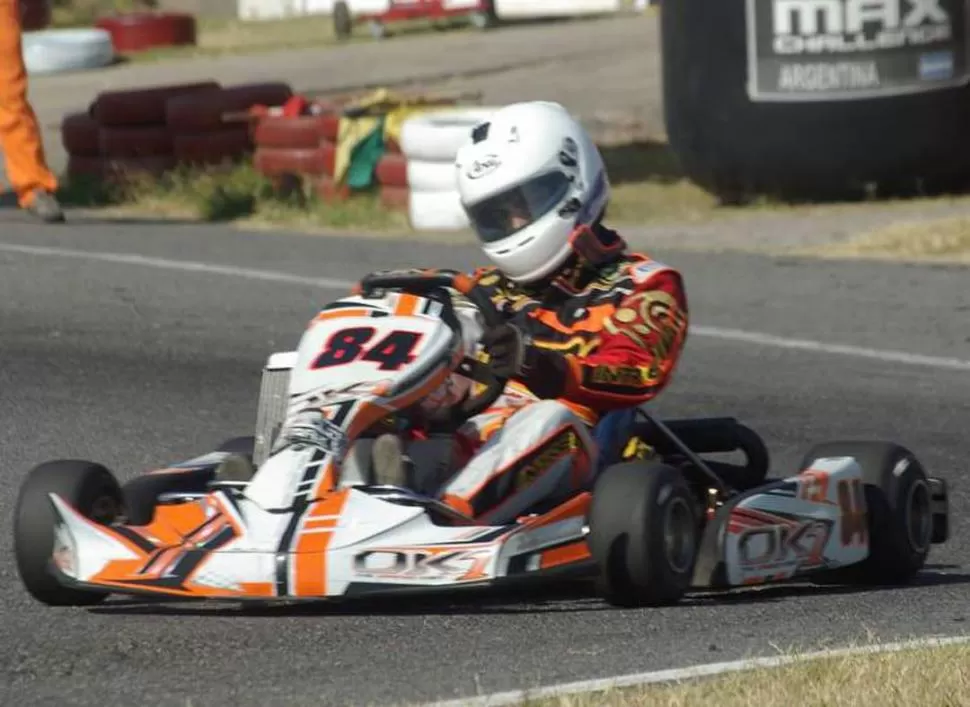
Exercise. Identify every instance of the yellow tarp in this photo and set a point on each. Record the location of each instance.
(382, 104)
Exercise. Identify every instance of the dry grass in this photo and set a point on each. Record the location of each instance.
(82, 13)
(648, 185)
(228, 194)
(216, 36)
(927, 677)
(648, 188)
(943, 239)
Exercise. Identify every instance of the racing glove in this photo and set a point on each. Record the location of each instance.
(513, 355)
(506, 344)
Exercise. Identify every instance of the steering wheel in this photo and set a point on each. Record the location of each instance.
(430, 283)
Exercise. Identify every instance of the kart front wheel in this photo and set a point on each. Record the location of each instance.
(898, 511)
(90, 489)
(142, 492)
(243, 446)
(643, 534)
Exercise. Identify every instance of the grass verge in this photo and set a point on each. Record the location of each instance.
(217, 36)
(236, 193)
(941, 239)
(923, 676)
(648, 188)
(222, 35)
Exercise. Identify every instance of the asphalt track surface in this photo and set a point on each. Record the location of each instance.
(136, 366)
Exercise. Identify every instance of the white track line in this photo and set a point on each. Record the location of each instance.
(735, 335)
(902, 357)
(514, 697)
(177, 265)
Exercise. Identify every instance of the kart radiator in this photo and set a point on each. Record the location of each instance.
(271, 408)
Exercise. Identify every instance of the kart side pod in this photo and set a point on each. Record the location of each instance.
(858, 512)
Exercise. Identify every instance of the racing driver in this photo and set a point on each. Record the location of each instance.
(590, 326)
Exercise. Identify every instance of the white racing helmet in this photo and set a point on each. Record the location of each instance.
(527, 178)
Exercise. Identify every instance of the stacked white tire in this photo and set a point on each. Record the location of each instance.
(56, 51)
(425, 167)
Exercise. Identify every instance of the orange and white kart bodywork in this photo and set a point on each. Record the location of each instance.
(296, 530)
(300, 528)
(344, 542)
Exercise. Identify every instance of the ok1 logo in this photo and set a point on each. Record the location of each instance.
(392, 352)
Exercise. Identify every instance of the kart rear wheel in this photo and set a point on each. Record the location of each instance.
(643, 534)
(88, 487)
(899, 511)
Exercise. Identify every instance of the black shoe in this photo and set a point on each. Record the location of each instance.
(46, 208)
(389, 461)
(236, 468)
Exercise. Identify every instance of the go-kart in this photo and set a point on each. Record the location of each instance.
(659, 518)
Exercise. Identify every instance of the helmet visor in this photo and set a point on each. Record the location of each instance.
(502, 215)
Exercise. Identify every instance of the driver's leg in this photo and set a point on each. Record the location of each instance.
(543, 449)
(421, 465)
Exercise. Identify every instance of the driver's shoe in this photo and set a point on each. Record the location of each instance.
(236, 468)
(388, 462)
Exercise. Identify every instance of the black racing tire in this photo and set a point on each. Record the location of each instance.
(737, 147)
(643, 534)
(243, 446)
(723, 435)
(142, 492)
(86, 486)
(899, 511)
(343, 22)
(755, 471)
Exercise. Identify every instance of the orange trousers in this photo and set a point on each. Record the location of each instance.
(20, 139)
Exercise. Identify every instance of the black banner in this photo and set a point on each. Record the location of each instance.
(823, 50)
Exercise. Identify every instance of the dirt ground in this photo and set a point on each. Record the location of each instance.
(595, 67)
(604, 70)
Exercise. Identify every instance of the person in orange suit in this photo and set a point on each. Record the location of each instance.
(20, 139)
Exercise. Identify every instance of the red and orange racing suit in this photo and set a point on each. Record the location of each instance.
(606, 333)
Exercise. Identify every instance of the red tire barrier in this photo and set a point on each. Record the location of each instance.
(202, 112)
(327, 190)
(117, 168)
(142, 106)
(139, 141)
(34, 15)
(81, 135)
(392, 170)
(317, 162)
(330, 125)
(395, 198)
(138, 31)
(213, 148)
(304, 131)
